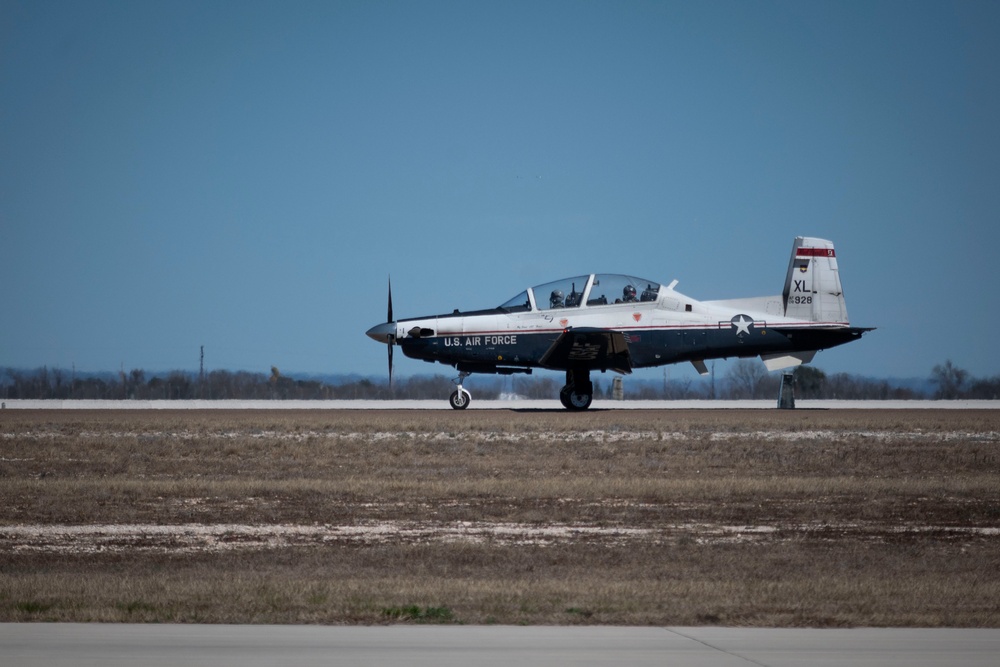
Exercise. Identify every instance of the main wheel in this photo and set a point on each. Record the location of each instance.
(460, 399)
(574, 401)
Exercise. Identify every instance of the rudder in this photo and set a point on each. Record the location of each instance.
(812, 285)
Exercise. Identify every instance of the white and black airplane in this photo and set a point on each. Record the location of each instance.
(612, 322)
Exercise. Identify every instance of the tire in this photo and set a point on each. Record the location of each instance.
(574, 401)
(460, 399)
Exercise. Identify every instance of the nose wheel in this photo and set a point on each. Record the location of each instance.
(460, 398)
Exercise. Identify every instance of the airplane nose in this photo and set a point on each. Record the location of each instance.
(382, 333)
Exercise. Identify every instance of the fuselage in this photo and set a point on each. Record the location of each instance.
(658, 324)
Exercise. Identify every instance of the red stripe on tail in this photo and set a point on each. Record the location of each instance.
(815, 252)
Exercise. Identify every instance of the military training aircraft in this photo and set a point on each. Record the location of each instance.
(602, 322)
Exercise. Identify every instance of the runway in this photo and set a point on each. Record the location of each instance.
(54, 645)
(517, 404)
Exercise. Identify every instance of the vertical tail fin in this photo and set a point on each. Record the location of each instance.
(812, 286)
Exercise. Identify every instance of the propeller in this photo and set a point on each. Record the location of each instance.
(388, 319)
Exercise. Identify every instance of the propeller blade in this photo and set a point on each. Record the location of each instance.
(388, 317)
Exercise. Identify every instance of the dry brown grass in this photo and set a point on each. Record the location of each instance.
(744, 517)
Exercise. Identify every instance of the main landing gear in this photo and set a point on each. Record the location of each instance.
(578, 393)
(460, 398)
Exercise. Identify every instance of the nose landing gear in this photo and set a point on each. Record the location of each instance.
(460, 398)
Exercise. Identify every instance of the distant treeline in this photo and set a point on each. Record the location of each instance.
(745, 379)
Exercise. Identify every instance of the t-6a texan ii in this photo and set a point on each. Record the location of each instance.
(612, 322)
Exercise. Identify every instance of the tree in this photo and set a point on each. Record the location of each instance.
(809, 382)
(745, 378)
(136, 380)
(178, 386)
(985, 389)
(543, 387)
(949, 379)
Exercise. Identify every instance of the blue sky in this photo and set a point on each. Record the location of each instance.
(246, 175)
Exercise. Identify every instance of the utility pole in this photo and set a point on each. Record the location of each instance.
(201, 375)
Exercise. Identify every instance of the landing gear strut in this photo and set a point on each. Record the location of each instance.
(460, 398)
(578, 392)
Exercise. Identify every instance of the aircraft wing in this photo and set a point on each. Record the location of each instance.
(591, 348)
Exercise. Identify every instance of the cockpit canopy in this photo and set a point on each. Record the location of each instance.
(599, 289)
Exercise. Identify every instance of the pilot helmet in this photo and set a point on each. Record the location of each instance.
(629, 292)
(556, 296)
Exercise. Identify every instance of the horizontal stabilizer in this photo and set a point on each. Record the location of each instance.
(777, 362)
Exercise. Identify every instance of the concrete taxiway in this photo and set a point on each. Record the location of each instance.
(54, 645)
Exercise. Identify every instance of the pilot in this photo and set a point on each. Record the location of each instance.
(628, 294)
(556, 299)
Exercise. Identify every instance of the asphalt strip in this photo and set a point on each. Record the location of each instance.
(155, 645)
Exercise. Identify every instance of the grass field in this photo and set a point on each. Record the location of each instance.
(756, 517)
